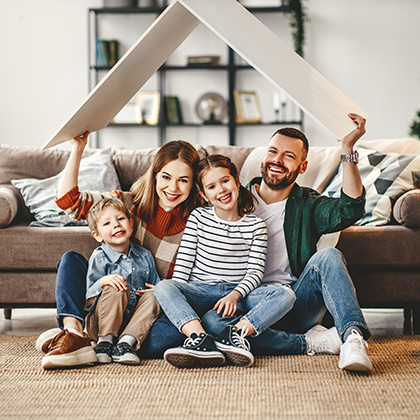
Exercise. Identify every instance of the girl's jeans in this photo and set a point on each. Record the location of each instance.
(184, 301)
(324, 284)
(70, 291)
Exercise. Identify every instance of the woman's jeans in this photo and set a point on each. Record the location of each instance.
(324, 284)
(184, 301)
(70, 292)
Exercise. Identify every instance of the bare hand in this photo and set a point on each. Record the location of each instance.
(114, 280)
(143, 291)
(229, 302)
(350, 140)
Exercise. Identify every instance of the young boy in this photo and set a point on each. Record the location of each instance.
(120, 279)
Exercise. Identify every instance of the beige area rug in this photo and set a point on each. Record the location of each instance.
(288, 387)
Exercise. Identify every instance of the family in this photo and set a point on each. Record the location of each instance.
(199, 270)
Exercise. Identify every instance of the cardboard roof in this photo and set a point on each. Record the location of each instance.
(245, 34)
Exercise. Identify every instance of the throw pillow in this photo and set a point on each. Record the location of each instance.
(322, 164)
(406, 209)
(385, 177)
(96, 173)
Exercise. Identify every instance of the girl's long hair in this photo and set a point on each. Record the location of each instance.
(245, 197)
(143, 189)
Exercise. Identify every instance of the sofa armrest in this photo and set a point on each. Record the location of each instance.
(9, 204)
(406, 209)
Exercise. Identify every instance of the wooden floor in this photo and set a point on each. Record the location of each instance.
(35, 321)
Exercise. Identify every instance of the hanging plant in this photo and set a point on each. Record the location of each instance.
(298, 19)
(415, 126)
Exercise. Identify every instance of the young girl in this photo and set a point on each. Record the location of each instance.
(220, 265)
(161, 201)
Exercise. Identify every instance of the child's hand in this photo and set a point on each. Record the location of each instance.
(115, 280)
(229, 302)
(143, 291)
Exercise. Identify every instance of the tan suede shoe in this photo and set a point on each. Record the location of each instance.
(67, 350)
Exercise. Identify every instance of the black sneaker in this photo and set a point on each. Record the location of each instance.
(124, 353)
(103, 352)
(235, 346)
(197, 351)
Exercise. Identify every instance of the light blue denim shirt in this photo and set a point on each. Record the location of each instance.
(138, 267)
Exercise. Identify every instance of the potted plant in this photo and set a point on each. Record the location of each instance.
(415, 126)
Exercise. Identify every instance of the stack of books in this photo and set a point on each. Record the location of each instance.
(106, 52)
(203, 60)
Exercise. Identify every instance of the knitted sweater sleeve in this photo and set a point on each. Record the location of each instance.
(77, 203)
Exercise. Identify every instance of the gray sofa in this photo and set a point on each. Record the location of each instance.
(384, 261)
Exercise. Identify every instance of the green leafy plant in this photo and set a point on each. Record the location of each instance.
(298, 19)
(415, 126)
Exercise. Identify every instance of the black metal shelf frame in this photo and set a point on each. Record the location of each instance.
(231, 68)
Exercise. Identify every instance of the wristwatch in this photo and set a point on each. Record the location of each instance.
(351, 158)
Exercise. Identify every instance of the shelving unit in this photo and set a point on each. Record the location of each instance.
(231, 68)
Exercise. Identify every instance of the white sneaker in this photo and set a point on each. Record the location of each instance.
(321, 340)
(353, 354)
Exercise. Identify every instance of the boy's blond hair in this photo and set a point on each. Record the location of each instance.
(98, 208)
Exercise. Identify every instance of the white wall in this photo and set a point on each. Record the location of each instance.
(367, 48)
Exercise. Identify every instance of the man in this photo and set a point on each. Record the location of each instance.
(296, 218)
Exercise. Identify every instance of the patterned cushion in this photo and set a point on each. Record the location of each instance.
(385, 176)
(96, 173)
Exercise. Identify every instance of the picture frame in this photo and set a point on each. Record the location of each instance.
(148, 104)
(128, 115)
(247, 107)
(172, 110)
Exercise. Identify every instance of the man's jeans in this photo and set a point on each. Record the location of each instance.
(324, 284)
(70, 293)
(184, 301)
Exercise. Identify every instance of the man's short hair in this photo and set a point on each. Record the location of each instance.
(295, 134)
(98, 208)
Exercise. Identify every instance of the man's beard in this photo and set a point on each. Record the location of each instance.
(288, 178)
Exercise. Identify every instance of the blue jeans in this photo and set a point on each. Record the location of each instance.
(70, 293)
(324, 284)
(183, 302)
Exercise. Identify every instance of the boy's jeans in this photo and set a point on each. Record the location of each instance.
(184, 301)
(324, 284)
(70, 293)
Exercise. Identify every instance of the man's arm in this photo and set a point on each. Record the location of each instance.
(352, 183)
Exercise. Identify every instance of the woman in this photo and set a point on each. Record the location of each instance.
(161, 201)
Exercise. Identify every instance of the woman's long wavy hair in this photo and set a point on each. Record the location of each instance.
(144, 193)
(245, 197)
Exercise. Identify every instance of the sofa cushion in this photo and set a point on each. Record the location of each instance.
(401, 146)
(407, 209)
(8, 205)
(23, 248)
(322, 164)
(238, 154)
(96, 173)
(385, 177)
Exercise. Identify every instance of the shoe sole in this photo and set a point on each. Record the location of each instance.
(356, 364)
(126, 360)
(191, 360)
(238, 357)
(44, 337)
(103, 359)
(83, 356)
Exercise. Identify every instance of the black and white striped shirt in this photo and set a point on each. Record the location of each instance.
(213, 250)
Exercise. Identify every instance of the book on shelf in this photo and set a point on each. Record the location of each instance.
(106, 52)
(203, 60)
(172, 110)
